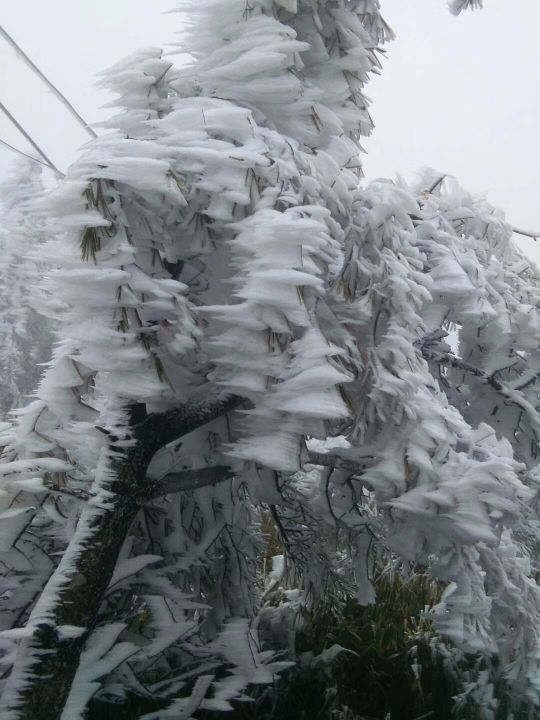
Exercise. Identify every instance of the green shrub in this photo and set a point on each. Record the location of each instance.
(376, 662)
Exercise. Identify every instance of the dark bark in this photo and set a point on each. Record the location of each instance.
(160, 429)
(187, 480)
(54, 659)
(333, 461)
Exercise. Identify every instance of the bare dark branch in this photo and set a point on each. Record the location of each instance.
(160, 429)
(188, 480)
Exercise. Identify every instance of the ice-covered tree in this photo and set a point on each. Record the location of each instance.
(244, 328)
(24, 336)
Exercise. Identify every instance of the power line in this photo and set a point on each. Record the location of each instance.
(63, 99)
(30, 157)
(32, 142)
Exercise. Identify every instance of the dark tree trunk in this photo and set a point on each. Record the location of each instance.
(48, 660)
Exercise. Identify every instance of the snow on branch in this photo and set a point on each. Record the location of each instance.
(527, 233)
(332, 461)
(458, 6)
(90, 559)
(511, 395)
(159, 429)
(187, 480)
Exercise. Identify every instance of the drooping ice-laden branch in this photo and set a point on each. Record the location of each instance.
(511, 395)
(75, 591)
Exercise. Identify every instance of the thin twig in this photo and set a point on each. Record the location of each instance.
(63, 99)
(527, 233)
(436, 183)
(23, 132)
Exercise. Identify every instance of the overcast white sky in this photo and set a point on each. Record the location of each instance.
(459, 94)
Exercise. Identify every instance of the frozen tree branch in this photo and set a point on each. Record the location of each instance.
(187, 480)
(527, 233)
(160, 429)
(515, 397)
(76, 589)
(332, 461)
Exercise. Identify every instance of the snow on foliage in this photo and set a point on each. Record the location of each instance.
(216, 238)
(457, 6)
(24, 337)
